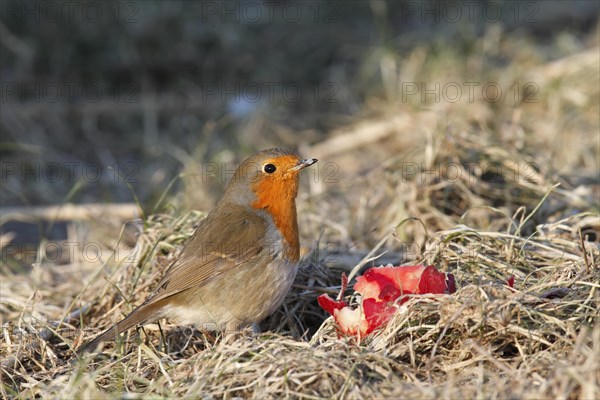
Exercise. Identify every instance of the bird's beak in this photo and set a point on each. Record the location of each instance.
(301, 164)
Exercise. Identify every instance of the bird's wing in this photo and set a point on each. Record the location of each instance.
(226, 239)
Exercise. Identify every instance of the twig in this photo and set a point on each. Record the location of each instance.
(69, 212)
(362, 135)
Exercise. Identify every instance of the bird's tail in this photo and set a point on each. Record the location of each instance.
(141, 315)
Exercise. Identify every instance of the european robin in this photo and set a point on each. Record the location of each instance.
(240, 263)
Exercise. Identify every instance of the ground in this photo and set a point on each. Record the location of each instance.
(492, 173)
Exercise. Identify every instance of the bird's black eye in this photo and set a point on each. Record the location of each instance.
(269, 168)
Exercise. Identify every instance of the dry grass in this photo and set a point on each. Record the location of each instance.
(538, 340)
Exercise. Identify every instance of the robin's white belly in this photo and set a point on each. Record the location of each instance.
(238, 299)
